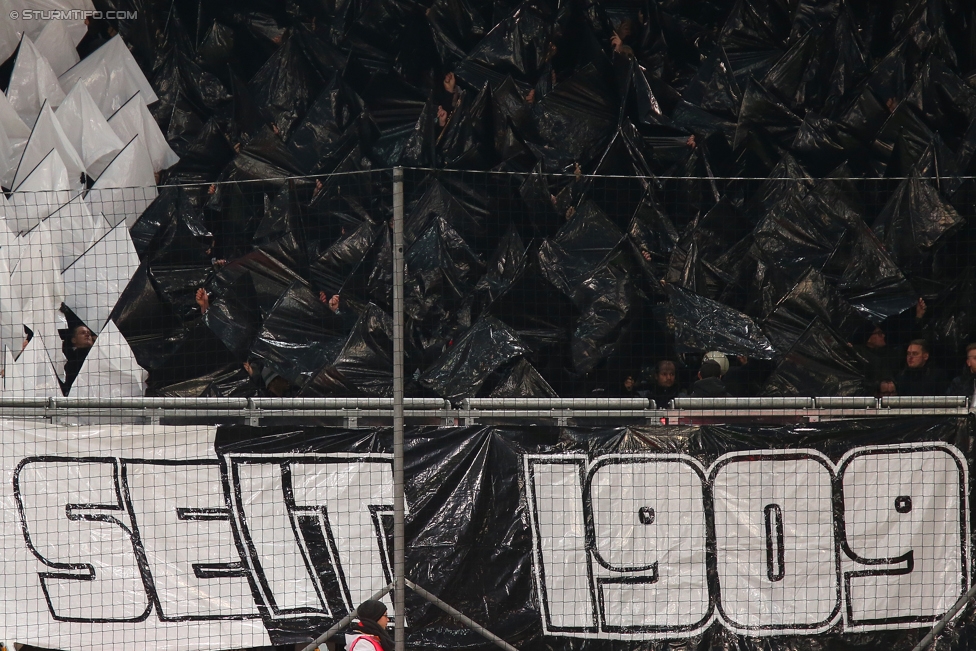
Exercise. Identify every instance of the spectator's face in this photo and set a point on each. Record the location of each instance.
(877, 339)
(916, 357)
(887, 389)
(971, 361)
(629, 383)
(82, 338)
(665, 377)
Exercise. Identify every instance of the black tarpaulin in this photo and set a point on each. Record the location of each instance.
(462, 369)
(812, 297)
(915, 222)
(580, 246)
(298, 336)
(704, 324)
(821, 362)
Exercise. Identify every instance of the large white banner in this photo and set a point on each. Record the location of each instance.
(797, 544)
(141, 537)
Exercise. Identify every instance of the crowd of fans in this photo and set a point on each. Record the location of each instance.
(892, 372)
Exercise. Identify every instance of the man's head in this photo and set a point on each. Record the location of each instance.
(82, 337)
(971, 358)
(918, 353)
(887, 387)
(665, 374)
(876, 339)
(629, 383)
(709, 368)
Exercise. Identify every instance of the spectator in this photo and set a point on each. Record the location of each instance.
(664, 386)
(746, 379)
(883, 360)
(720, 358)
(885, 387)
(629, 388)
(76, 349)
(709, 384)
(919, 378)
(965, 384)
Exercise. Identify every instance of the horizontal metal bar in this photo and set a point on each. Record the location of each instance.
(743, 403)
(555, 403)
(907, 402)
(347, 403)
(846, 402)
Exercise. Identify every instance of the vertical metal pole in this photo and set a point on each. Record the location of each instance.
(399, 532)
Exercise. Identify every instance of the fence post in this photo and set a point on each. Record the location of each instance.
(399, 535)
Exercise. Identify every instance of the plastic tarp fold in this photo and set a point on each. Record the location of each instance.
(32, 375)
(55, 44)
(820, 363)
(134, 119)
(299, 335)
(127, 186)
(578, 249)
(32, 83)
(704, 324)
(46, 188)
(94, 282)
(461, 370)
(110, 369)
(364, 366)
(111, 75)
(47, 135)
(75, 229)
(914, 223)
(87, 130)
(13, 138)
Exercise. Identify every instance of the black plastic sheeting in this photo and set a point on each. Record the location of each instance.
(469, 526)
(795, 118)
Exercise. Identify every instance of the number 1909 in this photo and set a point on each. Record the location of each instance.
(767, 542)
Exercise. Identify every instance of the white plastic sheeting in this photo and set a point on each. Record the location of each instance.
(11, 321)
(111, 75)
(45, 189)
(32, 375)
(126, 187)
(57, 241)
(75, 230)
(87, 130)
(110, 370)
(55, 45)
(134, 119)
(94, 282)
(13, 139)
(32, 83)
(48, 135)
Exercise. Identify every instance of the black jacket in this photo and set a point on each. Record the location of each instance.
(710, 387)
(925, 381)
(962, 385)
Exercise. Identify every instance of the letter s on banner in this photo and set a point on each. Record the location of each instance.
(74, 520)
(905, 533)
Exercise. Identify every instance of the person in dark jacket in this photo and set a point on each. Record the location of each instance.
(664, 385)
(883, 360)
(709, 384)
(919, 378)
(965, 384)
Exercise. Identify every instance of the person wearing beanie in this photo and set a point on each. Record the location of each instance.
(368, 633)
(709, 384)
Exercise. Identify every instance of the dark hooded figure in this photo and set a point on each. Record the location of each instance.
(369, 633)
(709, 384)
